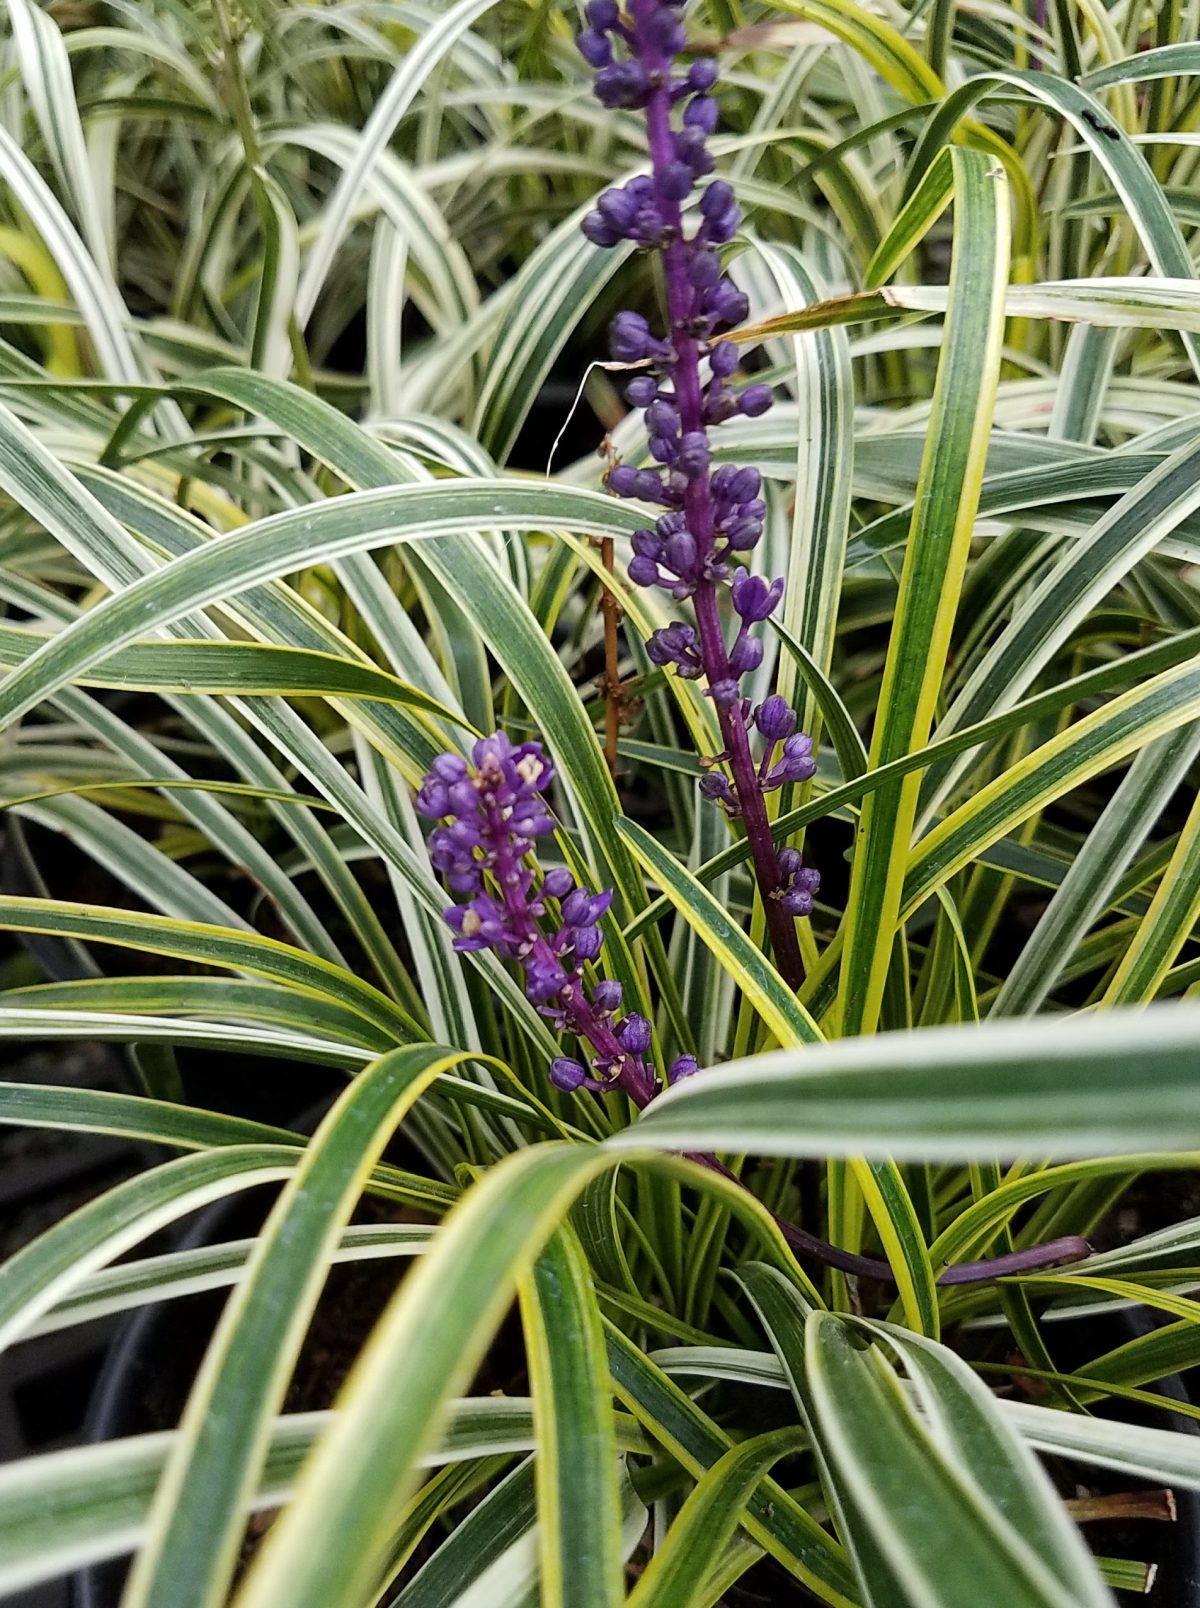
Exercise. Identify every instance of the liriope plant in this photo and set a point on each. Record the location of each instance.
(436, 718)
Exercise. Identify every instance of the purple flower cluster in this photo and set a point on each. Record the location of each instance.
(712, 518)
(491, 813)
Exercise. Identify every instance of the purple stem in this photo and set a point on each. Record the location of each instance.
(1068, 1249)
(698, 506)
(1071, 1248)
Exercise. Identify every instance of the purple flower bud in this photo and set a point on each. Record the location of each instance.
(624, 83)
(723, 358)
(449, 768)
(717, 788)
(726, 303)
(743, 534)
(775, 718)
(796, 763)
(463, 877)
(718, 197)
(702, 113)
(664, 31)
(582, 907)
(489, 753)
(674, 181)
(797, 902)
(723, 226)
(755, 400)
(607, 995)
(619, 208)
(647, 544)
(629, 337)
(641, 390)
(724, 479)
(649, 227)
(702, 74)
(799, 883)
(692, 151)
(566, 1074)
(603, 14)
(753, 599)
(544, 980)
(433, 799)
(724, 693)
(664, 449)
(644, 572)
(744, 487)
(595, 49)
(681, 555)
(676, 644)
(649, 486)
(635, 1034)
(704, 268)
(587, 942)
(662, 419)
(623, 480)
(599, 231)
(557, 883)
(683, 1066)
(719, 404)
(745, 655)
(694, 454)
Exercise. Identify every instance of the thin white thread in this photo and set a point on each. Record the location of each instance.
(611, 367)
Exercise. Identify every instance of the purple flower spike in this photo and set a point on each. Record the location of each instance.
(490, 817)
(712, 516)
